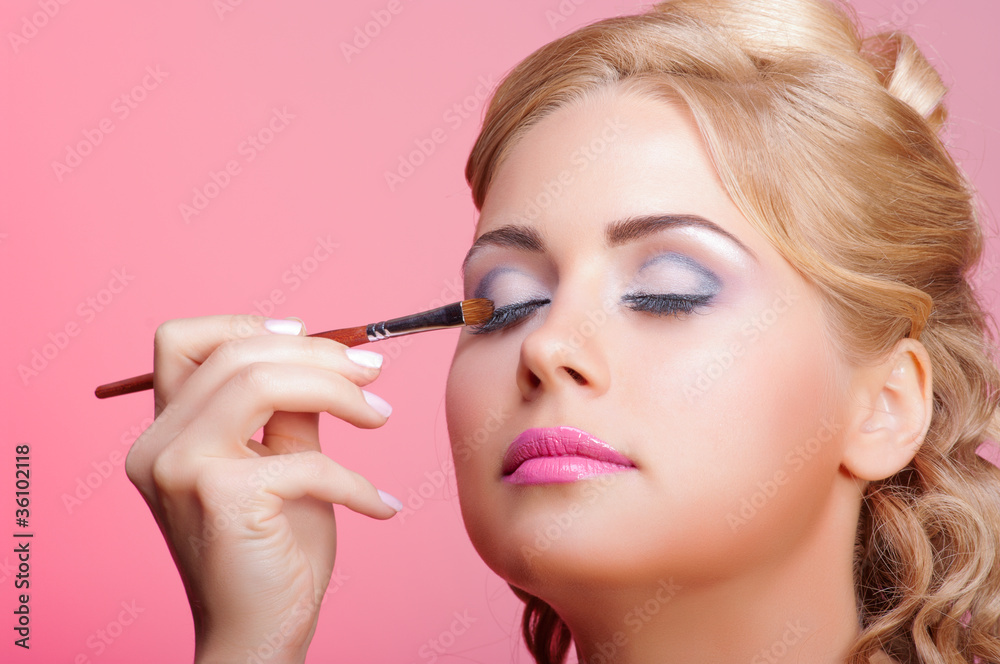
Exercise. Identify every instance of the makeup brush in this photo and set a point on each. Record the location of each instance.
(467, 312)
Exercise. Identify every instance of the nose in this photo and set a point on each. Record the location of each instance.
(567, 351)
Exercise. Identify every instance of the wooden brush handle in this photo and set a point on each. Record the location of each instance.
(349, 336)
(126, 386)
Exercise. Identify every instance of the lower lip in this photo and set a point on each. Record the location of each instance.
(560, 470)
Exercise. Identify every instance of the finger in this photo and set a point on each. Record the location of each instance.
(234, 356)
(180, 346)
(247, 401)
(228, 359)
(292, 476)
(286, 433)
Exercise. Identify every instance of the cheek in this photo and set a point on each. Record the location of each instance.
(743, 427)
(784, 445)
(478, 419)
(464, 401)
(774, 398)
(475, 422)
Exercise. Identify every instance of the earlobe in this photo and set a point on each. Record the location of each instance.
(892, 412)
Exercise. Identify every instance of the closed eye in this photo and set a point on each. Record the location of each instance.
(666, 305)
(659, 304)
(507, 316)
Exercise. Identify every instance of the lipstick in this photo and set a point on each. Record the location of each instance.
(555, 455)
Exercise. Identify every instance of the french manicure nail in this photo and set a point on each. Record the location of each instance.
(378, 403)
(283, 326)
(390, 500)
(365, 358)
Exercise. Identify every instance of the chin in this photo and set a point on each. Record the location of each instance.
(537, 537)
(605, 532)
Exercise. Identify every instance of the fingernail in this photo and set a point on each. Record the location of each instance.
(283, 326)
(365, 358)
(390, 500)
(378, 403)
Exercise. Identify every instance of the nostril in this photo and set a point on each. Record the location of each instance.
(576, 375)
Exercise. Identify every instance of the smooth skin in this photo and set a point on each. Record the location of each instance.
(643, 566)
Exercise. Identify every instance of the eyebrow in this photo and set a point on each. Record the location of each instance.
(616, 234)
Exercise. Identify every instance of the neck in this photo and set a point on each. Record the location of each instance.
(800, 608)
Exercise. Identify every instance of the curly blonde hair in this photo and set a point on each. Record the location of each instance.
(828, 143)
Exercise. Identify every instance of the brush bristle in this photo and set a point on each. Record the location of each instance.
(477, 311)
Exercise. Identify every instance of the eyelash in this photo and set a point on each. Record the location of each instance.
(663, 305)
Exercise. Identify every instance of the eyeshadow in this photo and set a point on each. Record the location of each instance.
(707, 282)
(519, 286)
(483, 288)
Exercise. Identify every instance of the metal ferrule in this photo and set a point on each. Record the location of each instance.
(447, 316)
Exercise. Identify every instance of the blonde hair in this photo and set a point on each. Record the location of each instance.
(828, 143)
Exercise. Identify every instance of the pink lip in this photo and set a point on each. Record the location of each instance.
(555, 455)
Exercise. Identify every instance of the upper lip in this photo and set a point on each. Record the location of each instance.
(556, 442)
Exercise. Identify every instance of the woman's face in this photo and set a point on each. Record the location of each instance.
(658, 322)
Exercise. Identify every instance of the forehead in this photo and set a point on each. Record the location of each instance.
(610, 155)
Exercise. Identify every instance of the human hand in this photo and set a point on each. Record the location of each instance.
(250, 524)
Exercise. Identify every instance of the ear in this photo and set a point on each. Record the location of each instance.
(891, 412)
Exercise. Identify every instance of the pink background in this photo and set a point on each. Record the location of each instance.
(113, 222)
